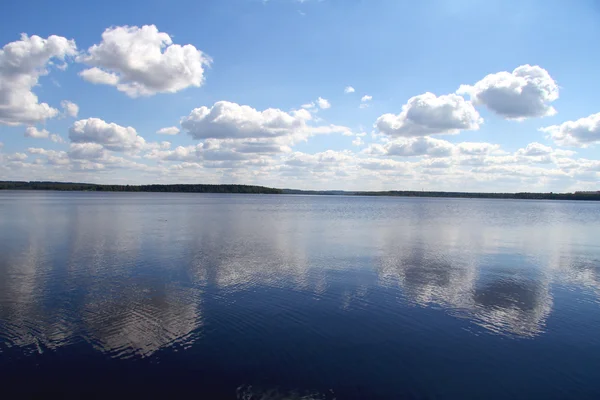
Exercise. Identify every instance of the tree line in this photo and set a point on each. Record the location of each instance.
(228, 188)
(521, 195)
(179, 188)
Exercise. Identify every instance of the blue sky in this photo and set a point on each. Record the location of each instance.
(526, 117)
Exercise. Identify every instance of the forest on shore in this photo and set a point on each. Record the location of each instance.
(250, 189)
(92, 187)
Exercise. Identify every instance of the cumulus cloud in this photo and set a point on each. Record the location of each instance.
(542, 152)
(349, 89)
(53, 157)
(225, 120)
(86, 151)
(56, 138)
(323, 159)
(581, 133)
(171, 130)
(17, 157)
(22, 63)
(430, 147)
(476, 148)
(428, 114)
(69, 108)
(110, 135)
(364, 101)
(420, 146)
(180, 153)
(35, 133)
(314, 106)
(143, 62)
(99, 77)
(358, 141)
(233, 132)
(535, 149)
(250, 150)
(524, 93)
(382, 164)
(323, 103)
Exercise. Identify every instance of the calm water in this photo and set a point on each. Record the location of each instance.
(251, 297)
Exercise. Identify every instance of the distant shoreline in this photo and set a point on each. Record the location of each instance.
(252, 189)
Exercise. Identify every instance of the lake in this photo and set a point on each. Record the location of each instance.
(315, 297)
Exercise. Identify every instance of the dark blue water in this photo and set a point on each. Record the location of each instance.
(272, 297)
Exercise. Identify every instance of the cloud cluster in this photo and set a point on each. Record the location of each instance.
(525, 92)
(323, 103)
(171, 130)
(428, 114)
(109, 135)
(580, 133)
(314, 106)
(35, 133)
(143, 62)
(22, 63)
(242, 143)
(226, 120)
(430, 147)
(69, 108)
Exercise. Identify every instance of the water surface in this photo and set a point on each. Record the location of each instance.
(260, 296)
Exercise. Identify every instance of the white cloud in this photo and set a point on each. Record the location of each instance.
(535, 149)
(56, 138)
(53, 157)
(171, 130)
(431, 147)
(539, 153)
(581, 133)
(419, 146)
(524, 93)
(70, 109)
(358, 141)
(323, 103)
(21, 64)
(99, 77)
(476, 148)
(328, 157)
(428, 114)
(349, 89)
(366, 98)
(225, 120)
(86, 151)
(143, 62)
(33, 132)
(382, 164)
(180, 153)
(110, 135)
(17, 157)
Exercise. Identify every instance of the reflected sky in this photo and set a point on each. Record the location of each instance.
(137, 276)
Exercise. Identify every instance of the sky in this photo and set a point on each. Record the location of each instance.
(462, 95)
